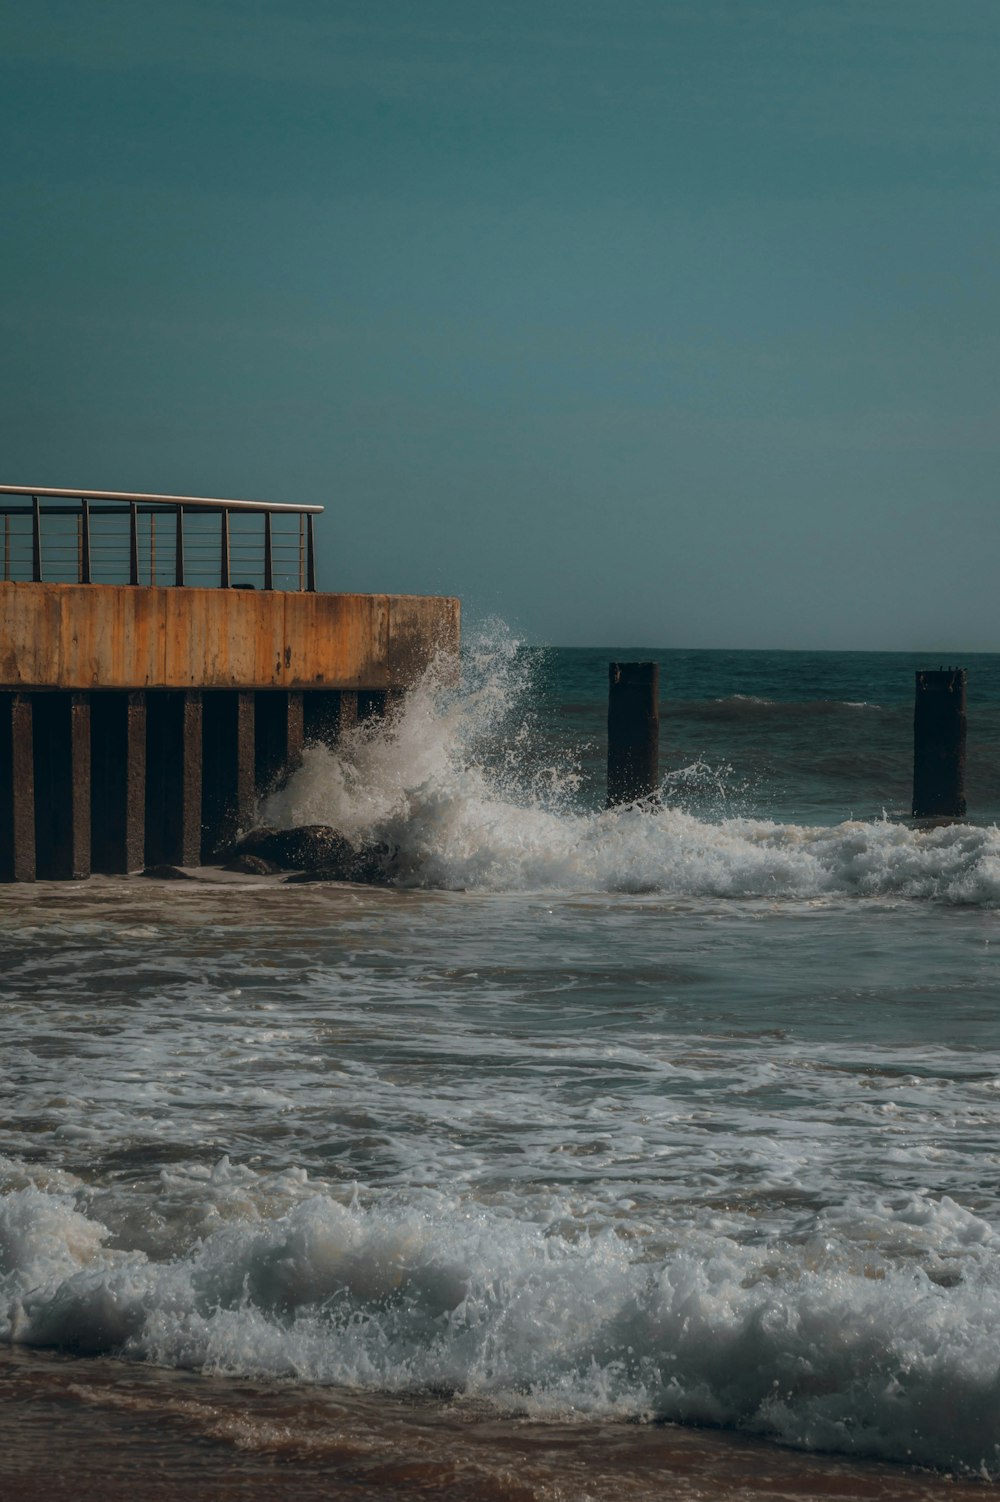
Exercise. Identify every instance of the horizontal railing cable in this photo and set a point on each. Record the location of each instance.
(108, 537)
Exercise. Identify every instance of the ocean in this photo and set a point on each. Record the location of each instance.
(604, 1154)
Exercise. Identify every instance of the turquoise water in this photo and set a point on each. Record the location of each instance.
(800, 736)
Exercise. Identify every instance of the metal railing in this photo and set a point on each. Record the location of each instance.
(112, 537)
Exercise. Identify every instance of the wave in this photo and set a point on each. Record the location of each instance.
(465, 789)
(750, 707)
(824, 1342)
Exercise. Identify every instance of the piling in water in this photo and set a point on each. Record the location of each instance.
(939, 726)
(17, 789)
(633, 732)
(62, 762)
(228, 760)
(279, 736)
(174, 777)
(118, 781)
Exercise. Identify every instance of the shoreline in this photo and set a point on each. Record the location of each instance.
(149, 1434)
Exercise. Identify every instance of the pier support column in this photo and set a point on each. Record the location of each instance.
(633, 731)
(939, 727)
(278, 737)
(17, 789)
(62, 785)
(173, 778)
(328, 713)
(228, 765)
(118, 781)
(377, 703)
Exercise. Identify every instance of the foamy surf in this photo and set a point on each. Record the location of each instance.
(719, 1153)
(458, 786)
(871, 1334)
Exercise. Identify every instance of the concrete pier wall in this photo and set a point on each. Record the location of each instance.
(86, 636)
(140, 726)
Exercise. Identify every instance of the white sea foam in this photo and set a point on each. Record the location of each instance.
(701, 1164)
(458, 786)
(825, 1341)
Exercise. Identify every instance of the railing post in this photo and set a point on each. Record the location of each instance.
(268, 553)
(36, 540)
(310, 554)
(277, 568)
(179, 548)
(133, 543)
(85, 543)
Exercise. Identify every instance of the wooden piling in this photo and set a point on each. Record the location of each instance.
(939, 731)
(278, 737)
(17, 789)
(118, 781)
(61, 761)
(328, 713)
(173, 778)
(373, 704)
(348, 711)
(228, 767)
(633, 732)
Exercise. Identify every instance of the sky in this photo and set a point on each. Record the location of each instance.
(631, 322)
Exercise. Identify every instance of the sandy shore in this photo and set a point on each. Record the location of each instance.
(79, 1430)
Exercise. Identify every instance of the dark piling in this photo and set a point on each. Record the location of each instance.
(173, 778)
(939, 726)
(633, 732)
(118, 781)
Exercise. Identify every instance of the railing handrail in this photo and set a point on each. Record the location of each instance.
(235, 548)
(211, 503)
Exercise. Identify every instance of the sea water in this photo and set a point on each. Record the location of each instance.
(592, 1122)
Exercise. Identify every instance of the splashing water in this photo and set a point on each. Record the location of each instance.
(545, 1145)
(823, 1344)
(472, 793)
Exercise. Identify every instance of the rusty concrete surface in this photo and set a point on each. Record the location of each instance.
(103, 636)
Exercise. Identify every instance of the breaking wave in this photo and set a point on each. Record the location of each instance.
(871, 1334)
(737, 707)
(469, 792)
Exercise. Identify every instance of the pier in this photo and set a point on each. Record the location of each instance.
(163, 661)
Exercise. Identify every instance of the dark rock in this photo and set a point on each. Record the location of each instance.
(168, 873)
(294, 849)
(252, 865)
(371, 866)
(319, 852)
(248, 843)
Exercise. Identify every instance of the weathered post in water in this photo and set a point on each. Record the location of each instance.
(939, 744)
(633, 731)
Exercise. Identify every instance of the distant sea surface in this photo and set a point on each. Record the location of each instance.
(604, 1154)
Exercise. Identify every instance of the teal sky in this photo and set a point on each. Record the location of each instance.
(672, 324)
